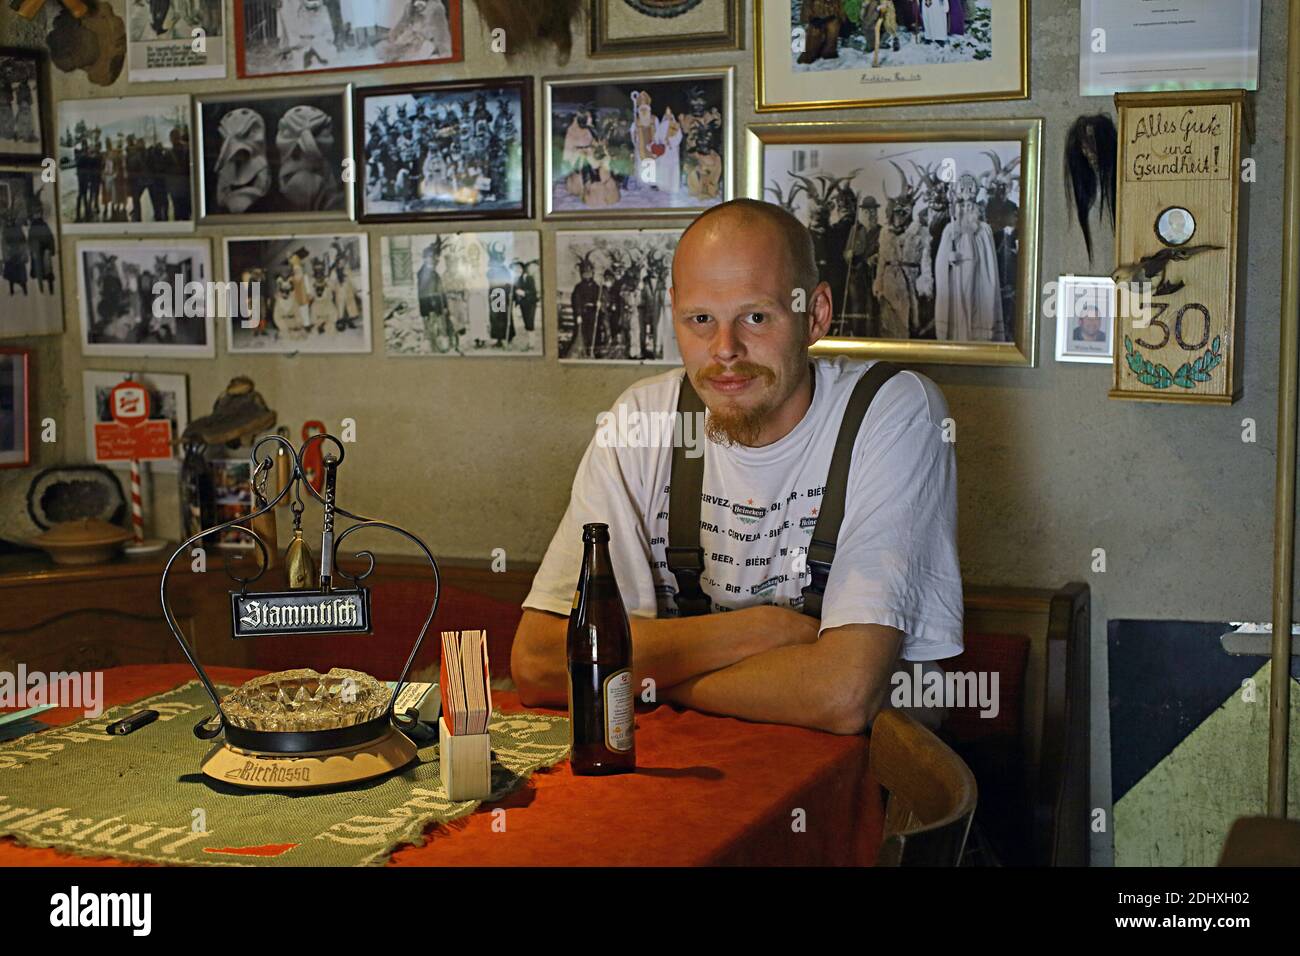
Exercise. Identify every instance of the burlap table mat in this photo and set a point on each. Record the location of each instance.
(142, 797)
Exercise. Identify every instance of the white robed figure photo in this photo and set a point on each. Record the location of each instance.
(934, 16)
(967, 291)
(667, 144)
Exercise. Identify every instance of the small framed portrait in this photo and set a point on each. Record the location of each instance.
(274, 155)
(279, 37)
(15, 407)
(659, 27)
(31, 291)
(311, 293)
(926, 232)
(1085, 319)
(611, 295)
(1175, 225)
(832, 54)
(168, 400)
(23, 106)
(643, 145)
(125, 165)
(462, 293)
(460, 150)
(138, 297)
(182, 40)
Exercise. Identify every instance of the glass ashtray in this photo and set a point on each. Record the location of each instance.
(302, 701)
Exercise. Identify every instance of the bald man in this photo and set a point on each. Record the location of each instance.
(747, 304)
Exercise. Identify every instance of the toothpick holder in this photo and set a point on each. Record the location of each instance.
(465, 762)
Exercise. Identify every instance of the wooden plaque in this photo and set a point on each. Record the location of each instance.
(1179, 175)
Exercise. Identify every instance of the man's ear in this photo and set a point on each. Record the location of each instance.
(821, 310)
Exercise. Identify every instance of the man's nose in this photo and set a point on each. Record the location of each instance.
(726, 344)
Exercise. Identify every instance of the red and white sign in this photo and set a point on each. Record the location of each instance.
(132, 435)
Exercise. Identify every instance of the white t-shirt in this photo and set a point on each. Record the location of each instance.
(896, 559)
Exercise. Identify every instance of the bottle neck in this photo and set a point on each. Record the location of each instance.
(596, 562)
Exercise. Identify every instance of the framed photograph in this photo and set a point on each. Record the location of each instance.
(274, 155)
(15, 407)
(1085, 319)
(232, 485)
(278, 37)
(124, 165)
(175, 40)
(611, 293)
(22, 106)
(831, 54)
(168, 399)
(461, 150)
(31, 292)
(462, 293)
(313, 293)
(1127, 47)
(127, 294)
(638, 145)
(657, 27)
(926, 232)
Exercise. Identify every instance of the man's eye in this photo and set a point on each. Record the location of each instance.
(699, 319)
(757, 318)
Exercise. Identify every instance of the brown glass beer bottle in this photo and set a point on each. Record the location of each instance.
(601, 696)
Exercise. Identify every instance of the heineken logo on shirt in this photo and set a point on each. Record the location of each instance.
(764, 586)
(748, 512)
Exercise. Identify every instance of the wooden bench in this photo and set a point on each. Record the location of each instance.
(1032, 767)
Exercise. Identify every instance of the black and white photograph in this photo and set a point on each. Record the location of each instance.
(277, 37)
(15, 408)
(275, 155)
(922, 239)
(460, 150)
(175, 40)
(1085, 319)
(462, 293)
(612, 295)
(125, 165)
(313, 293)
(31, 293)
(652, 145)
(124, 311)
(22, 123)
(168, 400)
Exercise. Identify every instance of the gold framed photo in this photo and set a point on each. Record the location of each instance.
(831, 54)
(926, 232)
(657, 27)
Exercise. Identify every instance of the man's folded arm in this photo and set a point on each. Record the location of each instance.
(837, 683)
(666, 650)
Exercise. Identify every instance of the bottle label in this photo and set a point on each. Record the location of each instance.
(619, 712)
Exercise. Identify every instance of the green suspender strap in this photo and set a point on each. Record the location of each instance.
(826, 533)
(686, 481)
(684, 554)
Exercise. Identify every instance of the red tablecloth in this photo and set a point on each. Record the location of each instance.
(707, 791)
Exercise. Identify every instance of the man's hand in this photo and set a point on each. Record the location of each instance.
(666, 650)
